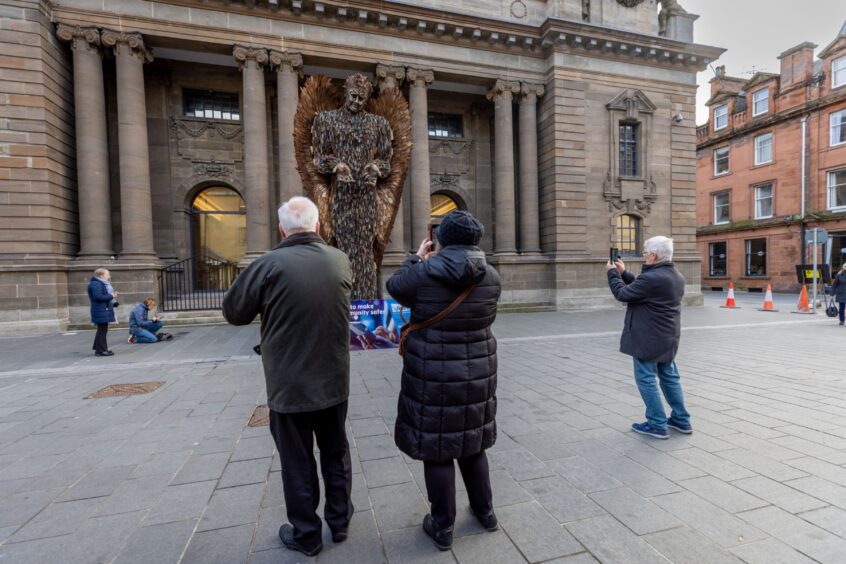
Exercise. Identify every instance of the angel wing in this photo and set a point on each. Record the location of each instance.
(391, 105)
(317, 95)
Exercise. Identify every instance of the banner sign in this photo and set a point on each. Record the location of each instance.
(376, 324)
(805, 273)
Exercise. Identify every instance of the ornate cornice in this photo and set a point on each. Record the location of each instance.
(85, 37)
(420, 77)
(530, 92)
(133, 41)
(286, 61)
(389, 76)
(244, 55)
(504, 89)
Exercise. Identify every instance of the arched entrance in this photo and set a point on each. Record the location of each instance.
(442, 204)
(218, 236)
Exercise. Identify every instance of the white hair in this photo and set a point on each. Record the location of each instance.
(661, 246)
(297, 215)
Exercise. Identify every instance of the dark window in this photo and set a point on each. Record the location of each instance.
(756, 257)
(446, 125)
(627, 235)
(211, 105)
(717, 252)
(628, 149)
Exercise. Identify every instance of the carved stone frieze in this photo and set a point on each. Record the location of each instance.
(213, 169)
(199, 140)
(445, 181)
(629, 195)
(133, 41)
(630, 3)
(450, 147)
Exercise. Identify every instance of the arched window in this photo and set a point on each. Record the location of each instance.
(219, 224)
(627, 235)
(441, 205)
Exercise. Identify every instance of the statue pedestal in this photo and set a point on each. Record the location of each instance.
(680, 26)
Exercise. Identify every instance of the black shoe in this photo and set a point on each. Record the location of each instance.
(340, 535)
(441, 538)
(106, 353)
(488, 521)
(286, 535)
(168, 337)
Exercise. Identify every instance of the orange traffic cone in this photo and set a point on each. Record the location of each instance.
(803, 306)
(768, 300)
(730, 303)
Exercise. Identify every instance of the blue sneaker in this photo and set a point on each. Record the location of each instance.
(680, 427)
(652, 431)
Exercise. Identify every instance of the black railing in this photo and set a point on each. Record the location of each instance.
(196, 283)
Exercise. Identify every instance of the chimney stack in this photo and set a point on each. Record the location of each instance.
(797, 65)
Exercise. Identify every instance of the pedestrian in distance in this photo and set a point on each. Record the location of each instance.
(142, 329)
(103, 300)
(838, 289)
(302, 289)
(447, 402)
(651, 334)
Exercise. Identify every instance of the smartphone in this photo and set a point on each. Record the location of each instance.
(432, 233)
(614, 254)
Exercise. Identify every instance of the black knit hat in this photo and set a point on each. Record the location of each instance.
(460, 228)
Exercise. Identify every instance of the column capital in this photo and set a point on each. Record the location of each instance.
(80, 37)
(420, 77)
(244, 55)
(504, 89)
(286, 61)
(388, 76)
(530, 92)
(133, 41)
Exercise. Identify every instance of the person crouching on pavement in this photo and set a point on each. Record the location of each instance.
(145, 330)
(651, 334)
(447, 401)
(302, 290)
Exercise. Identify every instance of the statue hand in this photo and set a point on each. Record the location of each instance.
(371, 173)
(343, 172)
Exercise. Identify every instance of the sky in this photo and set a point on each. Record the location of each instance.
(755, 32)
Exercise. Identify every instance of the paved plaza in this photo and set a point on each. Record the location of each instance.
(177, 475)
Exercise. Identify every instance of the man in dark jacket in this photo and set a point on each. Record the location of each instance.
(102, 309)
(651, 334)
(302, 290)
(145, 330)
(447, 402)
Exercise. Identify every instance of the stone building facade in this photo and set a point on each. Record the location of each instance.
(139, 134)
(750, 215)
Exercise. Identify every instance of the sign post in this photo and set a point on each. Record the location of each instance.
(816, 236)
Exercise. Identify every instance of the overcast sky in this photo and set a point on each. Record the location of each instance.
(755, 32)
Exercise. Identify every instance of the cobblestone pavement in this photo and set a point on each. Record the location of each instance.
(176, 475)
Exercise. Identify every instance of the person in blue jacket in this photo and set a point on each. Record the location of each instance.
(145, 330)
(102, 309)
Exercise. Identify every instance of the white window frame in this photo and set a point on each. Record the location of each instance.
(720, 108)
(759, 199)
(841, 115)
(831, 192)
(728, 162)
(838, 72)
(755, 101)
(756, 149)
(726, 205)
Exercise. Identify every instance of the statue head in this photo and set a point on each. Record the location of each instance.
(358, 90)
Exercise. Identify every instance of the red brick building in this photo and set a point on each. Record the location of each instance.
(749, 171)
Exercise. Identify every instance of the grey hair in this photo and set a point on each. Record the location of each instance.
(100, 272)
(297, 215)
(661, 246)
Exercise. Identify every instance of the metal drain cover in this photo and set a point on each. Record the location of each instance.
(114, 390)
(260, 416)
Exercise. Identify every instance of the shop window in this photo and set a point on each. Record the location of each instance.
(763, 201)
(211, 105)
(722, 208)
(627, 235)
(718, 259)
(446, 125)
(756, 257)
(721, 161)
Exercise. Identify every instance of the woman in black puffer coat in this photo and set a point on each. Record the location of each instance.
(447, 403)
(839, 290)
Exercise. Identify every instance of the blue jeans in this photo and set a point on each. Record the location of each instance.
(668, 376)
(148, 335)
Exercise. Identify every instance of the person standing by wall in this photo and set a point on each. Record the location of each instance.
(447, 401)
(302, 289)
(102, 299)
(651, 334)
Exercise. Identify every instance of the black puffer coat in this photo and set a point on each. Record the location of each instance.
(840, 287)
(447, 404)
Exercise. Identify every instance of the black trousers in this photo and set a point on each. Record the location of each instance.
(440, 487)
(294, 434)
(100, 344)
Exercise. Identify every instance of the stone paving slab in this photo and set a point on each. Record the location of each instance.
(177, 476)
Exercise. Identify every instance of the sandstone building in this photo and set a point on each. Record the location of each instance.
(750, 172)
(154, 137)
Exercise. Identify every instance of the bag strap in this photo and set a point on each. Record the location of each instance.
(434, 319)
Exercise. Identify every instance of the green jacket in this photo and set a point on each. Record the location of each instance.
(302, 290)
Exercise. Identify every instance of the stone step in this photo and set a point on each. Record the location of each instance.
(175, 319)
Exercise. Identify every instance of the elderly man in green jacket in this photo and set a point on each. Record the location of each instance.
(301, 288)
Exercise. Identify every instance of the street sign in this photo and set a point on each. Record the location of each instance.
(822, 236)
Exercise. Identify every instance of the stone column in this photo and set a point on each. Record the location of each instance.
(504, 229)
(92, 152)
(288, 71)
(252, 62)
(529, 201)
(136, 209)
(392, 77)
(421, 204)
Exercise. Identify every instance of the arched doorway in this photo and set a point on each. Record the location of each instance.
(218, 236)
(442, 204)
